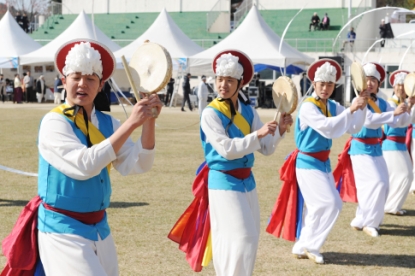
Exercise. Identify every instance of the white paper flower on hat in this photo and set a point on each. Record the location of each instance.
(227, 65)
(84, 59)
(371, 71)
(325, 73)
(399, 78)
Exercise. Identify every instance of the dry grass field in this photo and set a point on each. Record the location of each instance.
(145, 207)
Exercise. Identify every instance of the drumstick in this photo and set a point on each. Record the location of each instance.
(130, 78)
(278, 109)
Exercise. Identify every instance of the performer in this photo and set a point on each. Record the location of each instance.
(229, 145)
(319, 120)
(371, 179)
(231, 132)
(77, 144)
(395, 151)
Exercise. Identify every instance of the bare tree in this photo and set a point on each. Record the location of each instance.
(30, 7)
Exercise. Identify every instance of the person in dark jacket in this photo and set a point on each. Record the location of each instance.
(169, 93)
(315, 20)
(186, 92)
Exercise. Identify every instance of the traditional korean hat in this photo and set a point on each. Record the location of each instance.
(325, 70)
(235, 64)
(85, 56)
(373, 69)
(397, 77)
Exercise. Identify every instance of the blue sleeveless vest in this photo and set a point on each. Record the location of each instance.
(357, 147)
(309, 140)
(216, 163)
(63, 192)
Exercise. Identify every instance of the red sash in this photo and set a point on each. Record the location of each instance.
(408, 140)
(397, 139)
(344, 170)
(285, 208)
(20, 246)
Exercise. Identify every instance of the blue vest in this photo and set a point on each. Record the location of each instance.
(217, 163)
(63, 192)
(391, 145)
(309, 140)
(357, 147)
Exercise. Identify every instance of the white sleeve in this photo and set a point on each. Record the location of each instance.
(268, 143)
(230, 148)
(330, 127)
(132, 158)
(61, 148)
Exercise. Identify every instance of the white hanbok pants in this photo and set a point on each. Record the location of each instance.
(413, 164)
(400, 178)
(322, 207)
(372, 185)
(235, 222)
(67, 254)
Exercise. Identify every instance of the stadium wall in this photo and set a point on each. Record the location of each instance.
(130, 6)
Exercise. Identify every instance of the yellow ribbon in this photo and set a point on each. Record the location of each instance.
(394, 100)
(374, 106)
(320, 105)
(238, 120)
(94, 133)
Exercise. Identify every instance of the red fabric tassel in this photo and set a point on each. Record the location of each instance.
(20, 246)
(344, 170)
(192, 229)
(285, 209)
(408, 139)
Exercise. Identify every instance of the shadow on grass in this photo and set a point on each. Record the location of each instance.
(118, 204)
(385, 260)
(115, 204)
(397, 230)
(9, 203)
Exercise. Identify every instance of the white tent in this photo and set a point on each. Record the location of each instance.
(15, 42)
(255, 38)
(166, 33)
(82, 27)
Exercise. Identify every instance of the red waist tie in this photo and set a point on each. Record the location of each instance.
(86, 218)
(20, 246)
(397, 139)
(323, 156)
(240, 173)
(367, 141)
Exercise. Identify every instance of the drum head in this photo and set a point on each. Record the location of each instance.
(358, 76)
(151, 67)
(284, 94)
(409, 84)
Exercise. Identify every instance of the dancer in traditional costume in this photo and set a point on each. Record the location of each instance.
(231, 131)
(77, 145)
(395, 151)
(368, 174)
(319, 120)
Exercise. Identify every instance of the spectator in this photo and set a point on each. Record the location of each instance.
(325, 23)
(40, 89)
(18, 92)
(169, 93)
(351, 36)
(9, 89)
(202, 95)
(2, 88)
(315, 20)
(25, 21)
(57, 89)
(19, 19)
(382, 32)
(28, 87)
(186, 92)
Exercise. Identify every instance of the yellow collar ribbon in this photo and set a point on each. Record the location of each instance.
(239, 120)
(95, 134)
(323, 107)
(374, 106)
